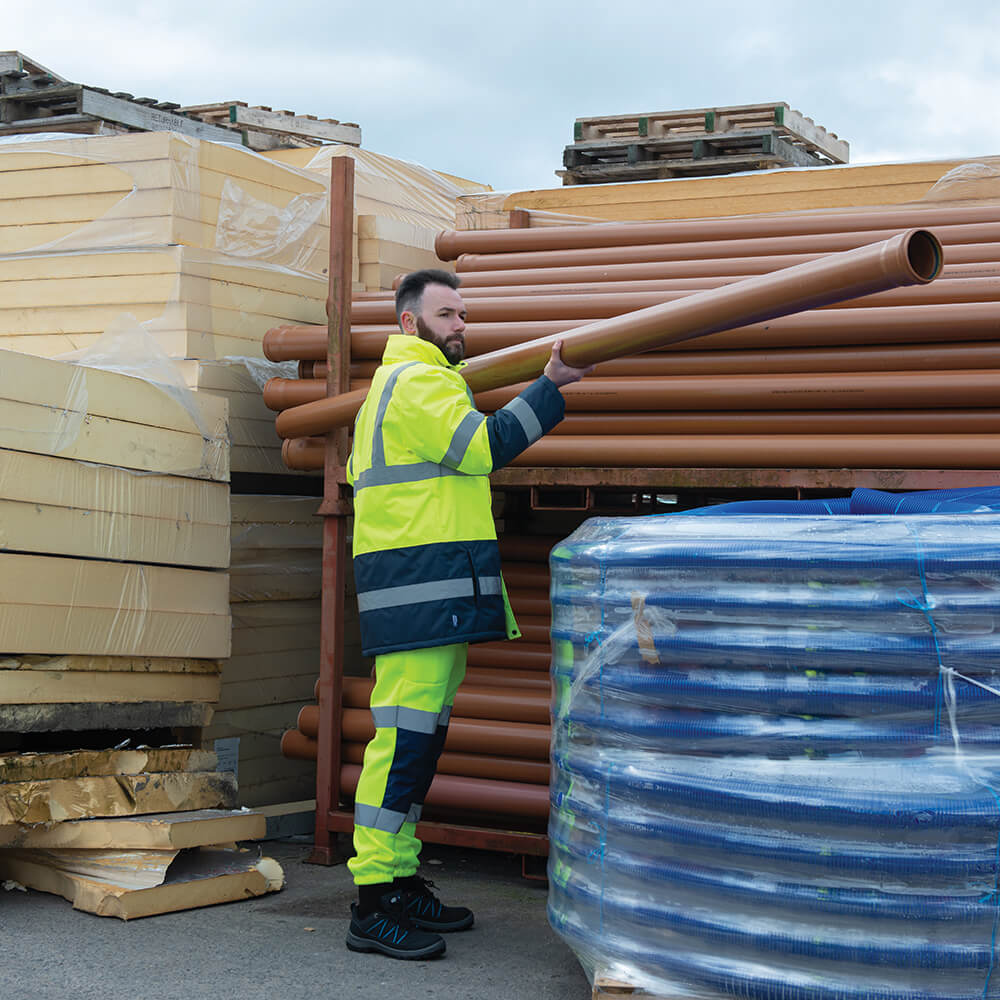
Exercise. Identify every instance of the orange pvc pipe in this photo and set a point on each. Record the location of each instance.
(984, 421)
(448, 791)
(850, 390)
(297, 746)
(913, 257)
(602, 305)
(505, 739)
(513, 739)
(823, 391)
(472, 765)
(507, 655)
(519, 679)
(528, 548)
(526, 575)
(616, 427)
(649, 256)
(289, 343)
(472, 702)
(450, 244)
(902, 357)
(304, 454)
(966, 253)
(537, 635)
(858, 451)
(943, 321)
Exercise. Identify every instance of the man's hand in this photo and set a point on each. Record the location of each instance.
(561, 374)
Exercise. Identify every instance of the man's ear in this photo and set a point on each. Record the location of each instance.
(408, 321)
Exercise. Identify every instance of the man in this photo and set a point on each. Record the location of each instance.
(427, 570)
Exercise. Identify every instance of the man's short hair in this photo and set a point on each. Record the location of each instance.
(411, 288)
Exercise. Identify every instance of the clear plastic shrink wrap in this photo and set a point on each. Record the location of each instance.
(776, 760)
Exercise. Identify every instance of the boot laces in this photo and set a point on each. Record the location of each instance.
(422, 899)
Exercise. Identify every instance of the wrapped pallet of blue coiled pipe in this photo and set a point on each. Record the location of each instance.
(776, 750)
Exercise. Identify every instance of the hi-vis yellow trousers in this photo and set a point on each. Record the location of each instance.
(411, 705)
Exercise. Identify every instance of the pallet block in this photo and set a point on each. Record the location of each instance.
(613, 989)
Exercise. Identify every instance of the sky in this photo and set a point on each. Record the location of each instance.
(490, 91)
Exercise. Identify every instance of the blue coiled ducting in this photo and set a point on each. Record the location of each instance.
(974, 500)
(776, 755)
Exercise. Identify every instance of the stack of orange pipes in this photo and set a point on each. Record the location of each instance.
(904, 378)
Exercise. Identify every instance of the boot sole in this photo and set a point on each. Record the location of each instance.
(429, 925)
(357, 943)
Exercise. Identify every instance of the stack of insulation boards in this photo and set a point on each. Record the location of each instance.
(254, 444)
(399, 208)
(199, 247)
(275, 587)
(114, 543)
(129, 833)
(831, 188)
(495, 764)
(904, 379)
(160, 189)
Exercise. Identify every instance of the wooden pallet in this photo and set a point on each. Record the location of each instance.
(698, 146)
(790, 124)
(700, 158)
(40, 102)
(261, 120)
(606, 988)
(32, 99)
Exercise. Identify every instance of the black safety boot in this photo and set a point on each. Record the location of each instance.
(390, 931)
(427, 911)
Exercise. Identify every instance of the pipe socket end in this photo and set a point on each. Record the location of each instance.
(924, 254)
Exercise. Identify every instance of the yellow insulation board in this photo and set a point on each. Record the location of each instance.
(754, 193)
(86, 606)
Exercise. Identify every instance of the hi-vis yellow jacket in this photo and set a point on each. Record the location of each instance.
(426, 562)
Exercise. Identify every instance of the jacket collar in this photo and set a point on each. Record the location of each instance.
(408, 347)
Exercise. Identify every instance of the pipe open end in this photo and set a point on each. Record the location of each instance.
(923, 251)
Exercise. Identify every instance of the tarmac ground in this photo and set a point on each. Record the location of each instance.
(290, 944)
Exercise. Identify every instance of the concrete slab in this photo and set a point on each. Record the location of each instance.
(291, 944)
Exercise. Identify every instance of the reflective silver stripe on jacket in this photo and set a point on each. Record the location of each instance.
(377, 818)
(462, 438)
(394, 475)
(378, 444)
(416, 720)
(419, 593)
(526, 418)
(381, 474)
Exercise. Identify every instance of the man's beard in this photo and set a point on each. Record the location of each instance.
(453, 348)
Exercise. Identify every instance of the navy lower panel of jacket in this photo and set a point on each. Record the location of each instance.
(437, 594)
